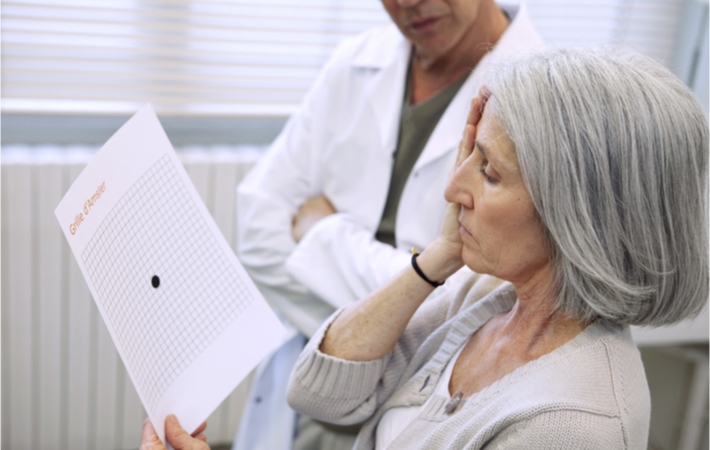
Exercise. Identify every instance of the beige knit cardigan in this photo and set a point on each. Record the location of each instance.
(591, 393)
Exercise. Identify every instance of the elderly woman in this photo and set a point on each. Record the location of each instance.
(580, 192)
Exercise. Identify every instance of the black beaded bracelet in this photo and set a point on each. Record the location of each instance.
(419, 271)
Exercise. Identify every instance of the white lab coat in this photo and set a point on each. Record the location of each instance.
(341, 144)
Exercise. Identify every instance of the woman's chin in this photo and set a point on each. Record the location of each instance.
(474, 261)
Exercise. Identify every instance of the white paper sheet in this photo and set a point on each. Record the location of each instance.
(186, 319)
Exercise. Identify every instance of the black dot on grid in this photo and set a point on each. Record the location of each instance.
(155, 281)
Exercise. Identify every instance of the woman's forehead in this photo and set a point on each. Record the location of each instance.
(493, 141)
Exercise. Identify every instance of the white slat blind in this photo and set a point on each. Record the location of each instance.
(647, 26)
(238, 57)
(216, 57)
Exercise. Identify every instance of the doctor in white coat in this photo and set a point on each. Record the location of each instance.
(309, 211)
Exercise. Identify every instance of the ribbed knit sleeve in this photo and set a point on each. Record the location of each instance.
(563, 430)
(332, 389)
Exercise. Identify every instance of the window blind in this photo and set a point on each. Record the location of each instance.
(234, 58)
(253, 58)
(647, 26)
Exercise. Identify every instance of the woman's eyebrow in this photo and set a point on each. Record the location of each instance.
(482, 149)
(487, 154)
(493, 157)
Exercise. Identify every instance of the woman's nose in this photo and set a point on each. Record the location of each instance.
(460, 187)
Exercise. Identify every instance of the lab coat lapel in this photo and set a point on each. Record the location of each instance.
(448, 131)
(385, 92)
(447, 134)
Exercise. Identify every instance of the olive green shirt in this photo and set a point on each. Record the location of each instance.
(416, 124)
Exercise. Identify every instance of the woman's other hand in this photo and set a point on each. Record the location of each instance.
(448, 245)
(176, 436)
(475, 113)
(313, 210)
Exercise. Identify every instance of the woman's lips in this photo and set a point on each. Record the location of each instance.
(463, 231)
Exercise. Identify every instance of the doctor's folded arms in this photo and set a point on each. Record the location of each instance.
(579, 204)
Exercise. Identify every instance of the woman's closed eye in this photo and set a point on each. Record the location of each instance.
(488, 174)
(479, 153)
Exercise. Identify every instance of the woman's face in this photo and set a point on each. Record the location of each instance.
(500, 230)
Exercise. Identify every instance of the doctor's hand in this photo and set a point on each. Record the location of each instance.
(176, 436)
(313, 210)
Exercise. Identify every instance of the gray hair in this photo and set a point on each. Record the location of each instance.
(614, 152)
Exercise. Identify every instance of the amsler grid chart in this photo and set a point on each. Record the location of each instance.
(165, 284)
(188, 322)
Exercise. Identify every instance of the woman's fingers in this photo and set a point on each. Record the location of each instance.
(465, 146)
(478, 104)
(149, 438)
(475, 113)
(450, 226)
(199, 429)
(179, 438)
(174, 434)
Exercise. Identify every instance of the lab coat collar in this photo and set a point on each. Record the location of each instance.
(385, 48)
(388, 55)
(520, 36)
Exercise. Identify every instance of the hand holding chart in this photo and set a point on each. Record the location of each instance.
(186, 319)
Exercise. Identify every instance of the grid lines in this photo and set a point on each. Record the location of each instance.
(156, 229)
